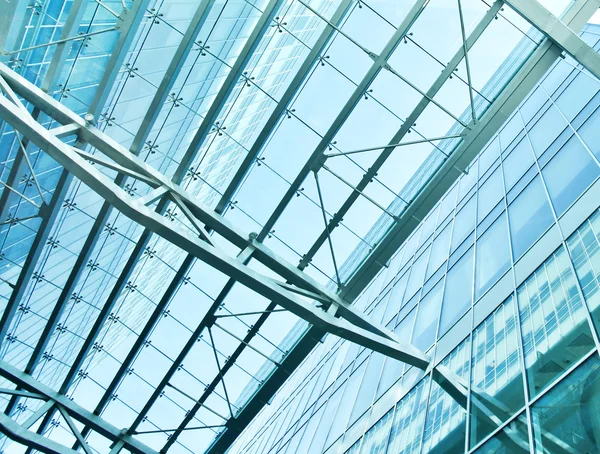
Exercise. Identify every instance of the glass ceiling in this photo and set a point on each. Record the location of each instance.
(120, 319)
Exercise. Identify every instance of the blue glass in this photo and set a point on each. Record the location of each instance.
(490, 193)
(457, 295)
(577, 94)
(572, 407)
(464, 223)
(590, 133)
(568, 174)
(547, 128)
(493, 255)
(427, 318)
(417, 274)
(517, 163)
(529, 216)
(439, 251)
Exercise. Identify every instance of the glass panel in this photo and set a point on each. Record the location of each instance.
(590, 133)
(568, 174)
(457, 296)
(545, 131)
(512, 440)
(529, 216)
(445, 422)
(463, 224)
(427, 318)
(496, 371)
(568, 417)
(407, 429)
(376, 439)
(493, 256)
(517, 163)
(553, 322)
(439, 251)
(490, 193)
(584, 246)
(415, 282)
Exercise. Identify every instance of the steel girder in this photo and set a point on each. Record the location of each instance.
(68, 409)
(352, 325)
(474, 141)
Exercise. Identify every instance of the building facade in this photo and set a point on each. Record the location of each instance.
(500, 285)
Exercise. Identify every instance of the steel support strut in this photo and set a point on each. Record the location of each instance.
(68, 409)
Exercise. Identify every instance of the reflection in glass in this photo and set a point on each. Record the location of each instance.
(568, 174)
(517, 163)
(376, 439)
(553, 322)
(493, 256)
(463, 224)
(427, 318)
(567, 419)
(445, 422)
(409, 419)
(457, 296)
(529, 216)
(496, 372)
(584, 246)
(512, 440)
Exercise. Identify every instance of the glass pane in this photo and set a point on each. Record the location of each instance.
(490, 193)
(463, 224)
(584, 246)
(493, 256)
(545, 131)
(529, 216)
(457, 296)
(553, 322)
(569, 415)
(568, 174)
(415, 282)
(517, 163)
(427, 318)
(439, 251)
(512, 440)
(590, 133)
(496, 371)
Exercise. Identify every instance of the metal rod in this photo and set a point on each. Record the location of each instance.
(466, 51)
(110, 10)
(23, 150)
(143, 432)
(183, 393)
(249, 313)
(337, 274)
(19, 194)
(247, 344)
(60, 41)
(394, 145)
(370, 199)
(214, 349)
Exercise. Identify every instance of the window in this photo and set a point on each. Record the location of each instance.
(490, 193)
(517, 163)
(573, 407)
(529, 216)
(457, 296)
(417, 274)
(427, 317)
(546, 130)
(496, 370)
(493, 256)
(439, 251)
(568, 174)
(576, 95)
(553, 322)
(463, 224)
(590, 133)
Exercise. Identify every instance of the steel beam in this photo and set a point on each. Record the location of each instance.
(561, 34)
(74, 410)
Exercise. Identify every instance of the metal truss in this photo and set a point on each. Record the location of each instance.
(30, 388)
(295, 291)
